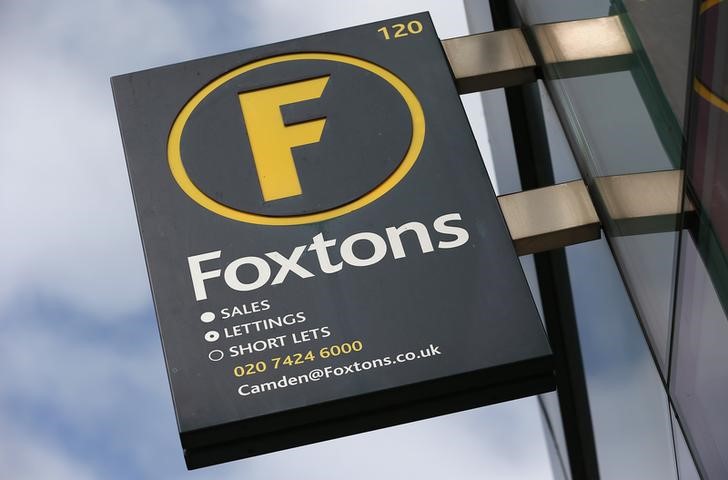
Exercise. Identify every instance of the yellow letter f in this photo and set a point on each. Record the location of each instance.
(271, 140)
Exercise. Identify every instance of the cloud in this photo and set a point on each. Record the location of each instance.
(30, 457)
(65, 201)
(502, 441)
(280, 19)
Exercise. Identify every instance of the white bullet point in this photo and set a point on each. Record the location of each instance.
(212, 336)
(207, 317)
(215, 355)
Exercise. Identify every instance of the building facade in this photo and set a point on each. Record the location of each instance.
(637, 318)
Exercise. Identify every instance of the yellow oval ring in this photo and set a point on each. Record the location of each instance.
(183, 180)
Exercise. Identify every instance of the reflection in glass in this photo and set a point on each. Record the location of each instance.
(699, 379)
(554, 430)
(612, 126)
(707, 169)
(685, 464)
(620, 123)
(628, 402)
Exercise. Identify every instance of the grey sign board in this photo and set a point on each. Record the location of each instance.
(325, 249)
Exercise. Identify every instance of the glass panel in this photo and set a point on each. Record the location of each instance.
(651, 280)
(664, 29)
(685, 464)
(627, 398)
(628, 402)
(699, 378)
(699, 375)
(621, 123)
(616, 137)
(539, 11)
(614, 127)
(554, 430)
(562, 159)
(707, 169)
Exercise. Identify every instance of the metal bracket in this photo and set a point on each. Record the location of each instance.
(503, 58)
(559, 215)
(490, 60)
(583, 47)
(550, 217)
(639, 203)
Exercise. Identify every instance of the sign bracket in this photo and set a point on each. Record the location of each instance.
(559, 215)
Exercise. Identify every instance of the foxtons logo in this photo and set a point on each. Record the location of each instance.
(361, 249)
(296, 138)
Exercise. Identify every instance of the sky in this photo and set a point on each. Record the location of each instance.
(83, 390)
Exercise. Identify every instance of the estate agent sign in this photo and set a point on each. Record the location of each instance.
(326, 252)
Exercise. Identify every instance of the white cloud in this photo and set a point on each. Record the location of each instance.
(69, 227)
(501, 441)
(25, 456)
(281, 19)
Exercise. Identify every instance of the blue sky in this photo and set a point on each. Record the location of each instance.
(83, 392)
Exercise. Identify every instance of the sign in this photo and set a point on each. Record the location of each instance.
(326, 252)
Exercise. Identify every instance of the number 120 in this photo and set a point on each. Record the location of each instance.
(401, 30)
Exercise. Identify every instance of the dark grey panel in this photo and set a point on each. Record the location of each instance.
(465, 302)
